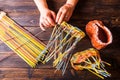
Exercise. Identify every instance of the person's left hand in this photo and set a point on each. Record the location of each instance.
(64, 13)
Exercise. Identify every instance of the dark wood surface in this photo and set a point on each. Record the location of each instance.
(26, 14)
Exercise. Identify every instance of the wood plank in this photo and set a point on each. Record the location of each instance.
(26, 14)
(110, 2)
(25, 73)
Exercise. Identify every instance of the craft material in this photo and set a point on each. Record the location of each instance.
(90, 60)
(99, 34)
(20, 41)
(62, 41)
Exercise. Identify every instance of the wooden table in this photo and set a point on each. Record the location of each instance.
(26, 14)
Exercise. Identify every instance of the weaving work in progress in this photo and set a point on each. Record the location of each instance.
(31, 50)
(62, 41)
(59, 48)
(20, 41)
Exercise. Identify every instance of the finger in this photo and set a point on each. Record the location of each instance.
(50, 20)
(47, 24)
(58, 16)
(67, 17)
(44, 24)
(42, 27)
(53, 15)
(61, 17)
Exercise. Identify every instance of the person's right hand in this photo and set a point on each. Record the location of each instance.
(47, 18)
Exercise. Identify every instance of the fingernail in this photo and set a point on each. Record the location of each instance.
(43, 29)
(56, 21)
(59, 22)
(53, 24)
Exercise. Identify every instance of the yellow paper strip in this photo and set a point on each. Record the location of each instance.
(20, 41)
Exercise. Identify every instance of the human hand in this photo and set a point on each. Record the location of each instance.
(47, 18)
(64, 13)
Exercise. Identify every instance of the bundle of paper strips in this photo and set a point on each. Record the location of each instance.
(20, 41)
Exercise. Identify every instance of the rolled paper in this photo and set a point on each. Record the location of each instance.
(99, 34)
(20, 41)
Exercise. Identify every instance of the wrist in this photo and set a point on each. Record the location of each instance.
(41, 5)
(43, 10)
(72, 2)
(68, 4)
